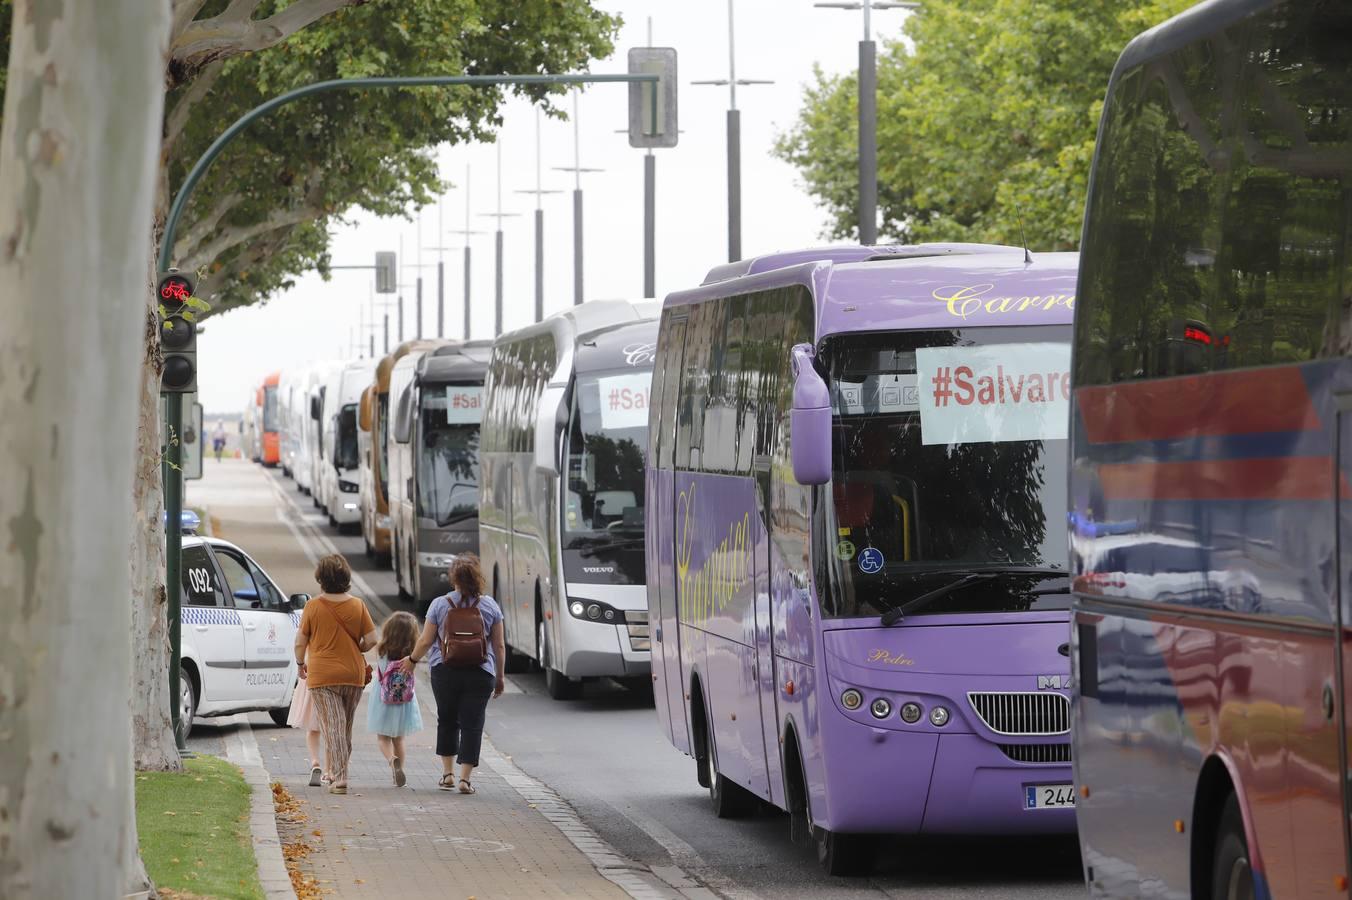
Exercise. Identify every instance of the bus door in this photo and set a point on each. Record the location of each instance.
(765, 632)
(666, 646)
(1333, 700)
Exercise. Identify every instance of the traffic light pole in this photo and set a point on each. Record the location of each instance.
(173, 482)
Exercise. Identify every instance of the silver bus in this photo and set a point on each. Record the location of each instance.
(561, 492)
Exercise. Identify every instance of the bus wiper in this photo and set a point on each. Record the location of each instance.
(453, 518)
(898, 613)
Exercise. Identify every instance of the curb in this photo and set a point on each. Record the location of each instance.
(242, 749)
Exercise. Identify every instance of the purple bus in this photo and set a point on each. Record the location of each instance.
(856, 538)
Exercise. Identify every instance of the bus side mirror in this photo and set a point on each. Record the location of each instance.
(364, 411)
(549, 429)
(809, 420)
(403, 417)
(315, 408)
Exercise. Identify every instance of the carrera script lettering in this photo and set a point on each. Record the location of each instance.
(890, 659)
(964, 302)
(638, 354)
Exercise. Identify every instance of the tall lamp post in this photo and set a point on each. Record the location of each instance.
(539, 193)
(734, 141)
(577, 169)
(497, 251)
(468, 233)
(868, 111)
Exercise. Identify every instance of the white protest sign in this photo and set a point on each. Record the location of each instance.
(624, 400)
(996, 392)
(464, 404)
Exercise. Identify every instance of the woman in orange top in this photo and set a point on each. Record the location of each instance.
(335, 630)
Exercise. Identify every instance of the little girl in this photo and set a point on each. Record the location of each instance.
(393, 709)
(304, 715)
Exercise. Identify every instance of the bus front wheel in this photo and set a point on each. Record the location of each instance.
(1231, 871)
(728, 799)
(844, 854)
(559, 686)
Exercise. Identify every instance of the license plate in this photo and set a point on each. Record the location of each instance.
(1049, 796)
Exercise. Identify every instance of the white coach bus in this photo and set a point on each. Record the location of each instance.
(561, 492)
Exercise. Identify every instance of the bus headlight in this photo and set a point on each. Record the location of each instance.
(594, 611)
(910, 713)
(576, 608)
(880, 708)
(851, 699)
(939, 716)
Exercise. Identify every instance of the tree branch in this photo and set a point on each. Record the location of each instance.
(235, 235)
(232, 34)
(256, 254)
(193, 237)
(177, 119)
(184, 12)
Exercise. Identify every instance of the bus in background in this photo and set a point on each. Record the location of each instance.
(248, 428)
(1210, 506)
(337, 485)
(561, 494)
(373, 443)
(307, 449)
(290, 416)
(434, 468)
(269, 421)
(856, 541)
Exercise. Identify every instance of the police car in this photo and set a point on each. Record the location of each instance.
(238, 635)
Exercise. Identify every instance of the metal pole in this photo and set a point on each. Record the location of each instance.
(868, 140)
(467, 282)
(173, 547)
(539, 264)
(650, 225)
(734, 185)
(577, 246)
(497, 285)
(387, 334)
(401, 318)
(441, 299)
(417, 322)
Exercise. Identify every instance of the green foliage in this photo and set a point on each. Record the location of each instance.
(264, 210)
(990, 119)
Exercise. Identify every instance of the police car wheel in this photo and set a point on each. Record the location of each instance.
(188, 702)
(279, 714)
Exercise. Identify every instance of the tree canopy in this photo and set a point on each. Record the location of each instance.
(263, 212)
(986, 120)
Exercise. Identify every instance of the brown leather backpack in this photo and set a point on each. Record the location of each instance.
(464, 645)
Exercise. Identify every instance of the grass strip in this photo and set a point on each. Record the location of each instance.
(194, 831)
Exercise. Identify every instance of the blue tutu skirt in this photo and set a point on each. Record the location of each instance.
(391, 719)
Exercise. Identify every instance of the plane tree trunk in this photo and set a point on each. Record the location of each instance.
(78, 157)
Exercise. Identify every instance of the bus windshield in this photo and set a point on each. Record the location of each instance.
(345, 456)
(949, 457)
(378, 445)
(608, 434)
(448, 470)
(270, 408)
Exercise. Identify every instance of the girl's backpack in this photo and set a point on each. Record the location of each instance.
(396, 684)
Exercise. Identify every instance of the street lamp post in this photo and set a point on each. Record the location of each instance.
(467, 232)
(868, 111)
(539, 193)
(577, 169)
(734, 141)
(497, 252)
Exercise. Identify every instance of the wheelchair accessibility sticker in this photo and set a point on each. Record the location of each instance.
(870, 560)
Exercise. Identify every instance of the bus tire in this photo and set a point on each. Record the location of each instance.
(728, 799)
(559, 686)
(844, 854)
(1231, 870)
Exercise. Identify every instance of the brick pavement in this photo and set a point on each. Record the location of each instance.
(418, 841)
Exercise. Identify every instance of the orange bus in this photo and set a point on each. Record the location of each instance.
(269, 437)
(373, 432)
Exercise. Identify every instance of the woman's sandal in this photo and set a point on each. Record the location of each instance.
(465, 786)
(397, 766)
(337, 789)
(447, 782)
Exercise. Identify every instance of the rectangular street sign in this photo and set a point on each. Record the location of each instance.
(387, 278)
(652, 107)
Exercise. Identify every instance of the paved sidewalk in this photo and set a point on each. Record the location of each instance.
(418, 841)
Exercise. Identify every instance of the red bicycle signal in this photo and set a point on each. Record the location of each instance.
(175, 288)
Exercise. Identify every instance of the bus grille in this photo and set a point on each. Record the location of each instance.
(1022, 713)
(1037, 753)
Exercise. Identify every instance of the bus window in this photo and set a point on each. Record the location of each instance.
(606, 440)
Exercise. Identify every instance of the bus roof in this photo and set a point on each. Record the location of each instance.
(625, 343)
(457, 362)
(386, 364)
(271, 380)
(866, 291)
(842, 253)
(585, 318)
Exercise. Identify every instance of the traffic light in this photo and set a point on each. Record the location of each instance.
(178, 334)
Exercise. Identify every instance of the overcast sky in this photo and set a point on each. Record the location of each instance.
(776, 39)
